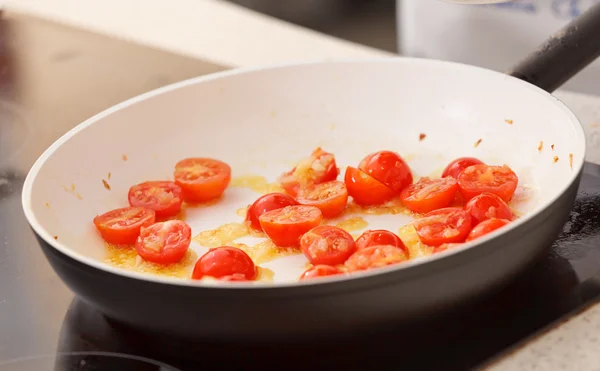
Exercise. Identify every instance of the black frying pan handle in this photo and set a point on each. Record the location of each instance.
(563, 55)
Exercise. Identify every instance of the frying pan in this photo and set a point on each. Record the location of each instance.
(261, 120)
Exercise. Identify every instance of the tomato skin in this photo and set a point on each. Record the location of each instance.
(388, 168)
(457, 166)
(164, 197)
(319, 271)
(330, 197)
(498, 180)
(364, 189)
(448, 225)
(379, 237)
(485, 227)
(164, 242)
(327, 245)
(429, 194)
(122, 226)
(285, 226)
(268, 202)
(202, 179)
(319, 167)
(488, 206)
(375, 257)
(226, 263)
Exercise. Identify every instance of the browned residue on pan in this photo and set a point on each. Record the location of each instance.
(78, 196)
(552, 146)
(510, 122)
(422, 136)
(478, 142)
(541, 146)
(571, 160)
(56, 237)
(124, 157)
(48, 205)
(108, 175)
(555, 159)
(106, 185)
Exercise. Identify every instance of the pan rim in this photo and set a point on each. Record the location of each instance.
(408, 266)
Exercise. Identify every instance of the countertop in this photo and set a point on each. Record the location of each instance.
(224, 36)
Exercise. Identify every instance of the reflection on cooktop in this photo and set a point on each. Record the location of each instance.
(85, 361)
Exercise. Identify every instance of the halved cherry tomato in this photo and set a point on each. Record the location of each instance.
(319, 167)
(327, 245)
(329, 197)
(486, 227)
(320, 271)
(364, 189)
(375, 257)
(429, 194)
(164, 242)
(202, 179)
(285, 226)
(487, 206)
(379, 237)
(122, 226)
(225, 263)
(268, 202)
(448, 225)
(388, 168)
(457, 166)
(498, 180)
(445, 247)
(164, 197)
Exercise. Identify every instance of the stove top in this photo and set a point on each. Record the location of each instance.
(42, 327)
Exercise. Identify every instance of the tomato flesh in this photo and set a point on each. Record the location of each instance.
(375, 257)
(163, 197)
(498, 180)
(364, 189)
(379, 237)
(388, 168)
(268, 202)
(457, 166)
(202, 179)
(330, 197)
(485, 227)
(164, 242)
(488, 206)
(122, 226)
(317, 168)
(327, 245)
(445, 247)
(285, 226)
(429, 194)
(226, 263)
(448, 225)
(320, 271)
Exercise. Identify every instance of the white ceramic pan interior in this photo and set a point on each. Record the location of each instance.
(261, 121)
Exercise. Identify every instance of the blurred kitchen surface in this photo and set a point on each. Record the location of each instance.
(492, 36)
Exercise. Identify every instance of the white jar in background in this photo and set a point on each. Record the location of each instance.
(494, 36)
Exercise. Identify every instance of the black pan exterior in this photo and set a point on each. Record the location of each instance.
(354, 305)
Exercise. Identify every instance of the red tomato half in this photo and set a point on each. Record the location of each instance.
(449, 225)
(498, 180)
(327, 245)
(364, 189)
(319, 167)
(320, 271)
(457, 166)
(165, 242)
(329, 197)
(122, 226)
(268, 202)
(375, 257)
(379, 237)
(202, 179)
(388, 168)
(163, 197)
(429, 194)
(488, 206)
(285, 226)
(486, 227)
(225, 263)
